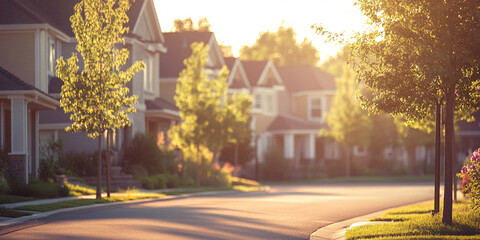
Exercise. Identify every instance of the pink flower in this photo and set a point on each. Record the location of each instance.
(464, 169)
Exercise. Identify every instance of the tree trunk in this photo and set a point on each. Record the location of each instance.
(411, 159)
(347, 162)
(447, 202)
(454, 164)
(197, 177)
(108, 163)
(235, 159)
(99, 170)
(438, 140)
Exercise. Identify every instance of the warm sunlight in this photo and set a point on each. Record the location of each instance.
(239, 22)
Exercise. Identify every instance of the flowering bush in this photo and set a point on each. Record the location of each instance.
(471, 175)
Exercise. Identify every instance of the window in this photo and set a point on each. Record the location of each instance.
(257, 102)
(315, 108)
(269, 103)
(148, 74)
(51, 57)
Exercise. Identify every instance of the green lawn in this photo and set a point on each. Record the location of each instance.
(7, 198)
(416, 222)
(84, 202)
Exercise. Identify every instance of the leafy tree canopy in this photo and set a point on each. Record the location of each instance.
(187, 25)
(97, 96)
(282, 48)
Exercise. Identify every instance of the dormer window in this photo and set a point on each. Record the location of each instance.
(315, 108)
(51, 57)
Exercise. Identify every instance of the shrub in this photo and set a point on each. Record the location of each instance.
(471, 173)
(157, 181)
(4, 186)
(50, 153)
(39, 189)
(143, 150)
(275, 167)
(79, 164)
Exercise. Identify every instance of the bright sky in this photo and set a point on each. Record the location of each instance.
(239, 22)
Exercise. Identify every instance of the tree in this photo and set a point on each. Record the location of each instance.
(282, 48)
(421, 55)
(349, 124)
(187, 25)
(198, 99)
(97, 96)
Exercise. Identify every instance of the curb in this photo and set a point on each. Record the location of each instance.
(336, 231)
(35, 216)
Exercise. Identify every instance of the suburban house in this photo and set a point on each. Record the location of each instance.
(171, 62)
(289, 104)
(33, 34)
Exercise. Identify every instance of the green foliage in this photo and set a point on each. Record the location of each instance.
(50, 153)
(80, 164)
(471, 173)
(245, 153)
(282, 48)
(4, 212)
(275, 167)
(144, 151)
(208, 120)
(39, 189)
(187, 25)
(4, 185)
(97, 96)
(76, 190)
(212, 175)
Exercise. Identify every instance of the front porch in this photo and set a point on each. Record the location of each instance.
(20, 104)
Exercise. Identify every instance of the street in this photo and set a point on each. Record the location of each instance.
(285, 212)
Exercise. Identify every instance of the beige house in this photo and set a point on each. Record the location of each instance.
(171, 62)
(289, 106)
(33, 34)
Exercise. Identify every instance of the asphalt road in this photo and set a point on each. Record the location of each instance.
(284, 212)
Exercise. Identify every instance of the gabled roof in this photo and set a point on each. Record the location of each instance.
(257, 72)
(9, 82)
(291, 123)
(178, 45)
(12, 85)
(160, 107)
(299, 78)
(160, 104)
(56, 13)
(235, 66)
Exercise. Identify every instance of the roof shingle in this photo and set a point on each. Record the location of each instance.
(305, 78)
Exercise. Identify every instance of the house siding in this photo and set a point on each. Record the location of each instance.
(43, 60)
(301, 106)
(167, 91)
(18, 55)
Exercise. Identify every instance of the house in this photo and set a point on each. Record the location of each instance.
(20, 103)
(289, 105)
(171, 62)
(309, 95)
(33, 34)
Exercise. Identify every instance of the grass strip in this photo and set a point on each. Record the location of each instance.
(7, 198)
(416, 222)
(5, 212)
(84, 202)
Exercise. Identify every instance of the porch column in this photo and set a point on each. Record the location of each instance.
(310, 146)
(18, 156)
(289, 146)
